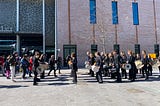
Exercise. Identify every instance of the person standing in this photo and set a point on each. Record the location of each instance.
(1, 65)
(74, 67)
(7, 67)
(91, 63)
(52, 65)
(36, 64)
(98, 63)
(124, 60)
(30, 66)
(12, 62)
(131, 61)
(117, 64)
(59, 64)
(88, 60)
(145, 62)
(24, 65)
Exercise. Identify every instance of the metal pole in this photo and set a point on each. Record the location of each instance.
(17, 30)
(116, 34)
(69, 22)
(136, 34)
(94, 35)
(44, 38)
(55, 29)
(155, 23)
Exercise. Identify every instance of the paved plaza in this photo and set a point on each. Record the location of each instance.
(61, 91)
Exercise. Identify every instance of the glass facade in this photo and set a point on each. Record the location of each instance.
(30, 22)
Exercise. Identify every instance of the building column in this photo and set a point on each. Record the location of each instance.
(44, 32)
(17, 29)
(56, 41)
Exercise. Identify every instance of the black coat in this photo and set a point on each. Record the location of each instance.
(117, 61)
(74, 66)
(131, 60)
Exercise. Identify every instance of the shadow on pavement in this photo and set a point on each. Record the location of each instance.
(11, 86)
(59, 84)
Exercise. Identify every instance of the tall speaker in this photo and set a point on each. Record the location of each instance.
(137, 49)
(156, 49)
(117, 48)
(94, 48)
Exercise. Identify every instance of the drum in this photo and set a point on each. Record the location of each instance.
(139, 64)
(128, 66)
(42, 67)
(95, 68)
(87, 65)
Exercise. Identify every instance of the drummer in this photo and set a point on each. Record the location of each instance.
(123, 60)
(131, 61)
(138, 58)
(91, 62)
(98, 63)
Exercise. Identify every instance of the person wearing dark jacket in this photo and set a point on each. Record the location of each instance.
(74, 67)
(117, 64)
(91, 62)
(52, 65)
(98, 63)
(123, 60)
(131, 61)
(145, 62)
(36, 64)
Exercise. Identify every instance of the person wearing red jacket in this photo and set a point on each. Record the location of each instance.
(30, 66)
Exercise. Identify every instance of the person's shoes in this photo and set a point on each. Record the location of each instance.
(118, 81)
(30, 75)
(55, 75)
(38, 80)
(35, 83)
(8, 78)
(146, 78)
(101, 82)
(74, 82)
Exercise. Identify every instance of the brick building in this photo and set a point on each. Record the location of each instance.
(75, 33)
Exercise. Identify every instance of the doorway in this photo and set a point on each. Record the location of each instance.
(67, 50)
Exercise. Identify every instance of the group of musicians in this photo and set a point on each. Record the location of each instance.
(110, 64)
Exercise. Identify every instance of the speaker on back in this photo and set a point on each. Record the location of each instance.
(156, 49)
(94, 48)
(137, 49)
(117, 48)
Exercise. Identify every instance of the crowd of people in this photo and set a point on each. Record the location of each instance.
(29, 64)
(115, 65)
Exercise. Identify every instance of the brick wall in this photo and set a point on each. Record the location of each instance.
(81, 30)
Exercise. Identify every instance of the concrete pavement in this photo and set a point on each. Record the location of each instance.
(60, 91)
